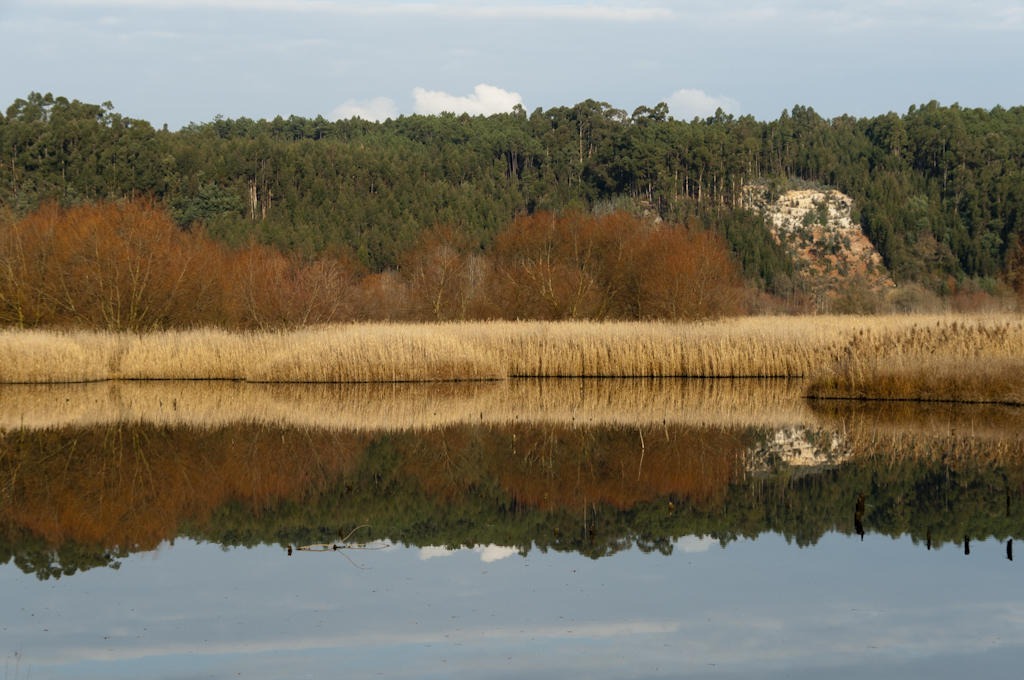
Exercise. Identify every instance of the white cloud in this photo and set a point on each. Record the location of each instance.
(378, 109)
(688, 104)
(495, 10)
(485, 100)
(841, 15)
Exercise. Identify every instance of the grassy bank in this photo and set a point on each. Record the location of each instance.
(978, 358)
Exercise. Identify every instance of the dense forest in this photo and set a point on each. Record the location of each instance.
(938, 190)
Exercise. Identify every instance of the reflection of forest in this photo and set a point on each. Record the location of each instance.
(74, 498)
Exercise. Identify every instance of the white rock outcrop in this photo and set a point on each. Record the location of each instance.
(816, 226)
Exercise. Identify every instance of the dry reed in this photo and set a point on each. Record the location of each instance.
(977, 358)
(974, 359)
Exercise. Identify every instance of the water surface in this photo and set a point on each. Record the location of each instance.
(551, 528)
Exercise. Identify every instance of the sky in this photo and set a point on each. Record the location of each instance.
(179, 61)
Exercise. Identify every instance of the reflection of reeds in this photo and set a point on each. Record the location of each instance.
(394, 407)
(747, 347)
(986, 422)
(954, 450)
(955, 435)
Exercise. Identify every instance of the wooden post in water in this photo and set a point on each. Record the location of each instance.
(858, 517)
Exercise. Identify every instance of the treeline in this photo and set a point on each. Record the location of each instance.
(939, 190)
(127, 266)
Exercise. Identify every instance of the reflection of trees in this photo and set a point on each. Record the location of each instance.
(556, 467)
(131, 487)
(33, 555)
(74, 499)
(562, 467)
(546, 487)
(579, 484)
(127, 488)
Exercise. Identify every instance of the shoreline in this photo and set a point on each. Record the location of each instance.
(970, 359)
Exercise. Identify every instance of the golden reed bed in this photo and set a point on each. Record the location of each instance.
(976, 358)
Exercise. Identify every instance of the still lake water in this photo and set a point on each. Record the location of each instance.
(597, 529)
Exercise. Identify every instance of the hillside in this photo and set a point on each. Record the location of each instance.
(828, 248)
(937, 191)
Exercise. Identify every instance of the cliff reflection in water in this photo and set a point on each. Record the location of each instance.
(587, 466)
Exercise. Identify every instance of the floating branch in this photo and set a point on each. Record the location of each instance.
(344, 545)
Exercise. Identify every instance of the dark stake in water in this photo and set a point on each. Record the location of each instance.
(715, 539)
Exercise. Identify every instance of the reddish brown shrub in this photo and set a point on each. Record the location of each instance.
(440, 274)
(126, 266)
(612, 267)
(117, 266)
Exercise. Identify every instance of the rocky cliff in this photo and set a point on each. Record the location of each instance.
(828, 247)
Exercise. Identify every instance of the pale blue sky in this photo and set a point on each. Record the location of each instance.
(176, 61)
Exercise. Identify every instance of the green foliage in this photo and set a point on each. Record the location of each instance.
(210, 202)
(937, 190)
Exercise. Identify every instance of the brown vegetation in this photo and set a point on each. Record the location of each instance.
(745, 347)
(938, 357)
(966, 360)
(579, 266)
(126, 266)
(444, 280)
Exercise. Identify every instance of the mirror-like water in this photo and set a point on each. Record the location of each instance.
(556, 528)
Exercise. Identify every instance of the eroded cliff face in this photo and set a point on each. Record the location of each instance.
(828, 248)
